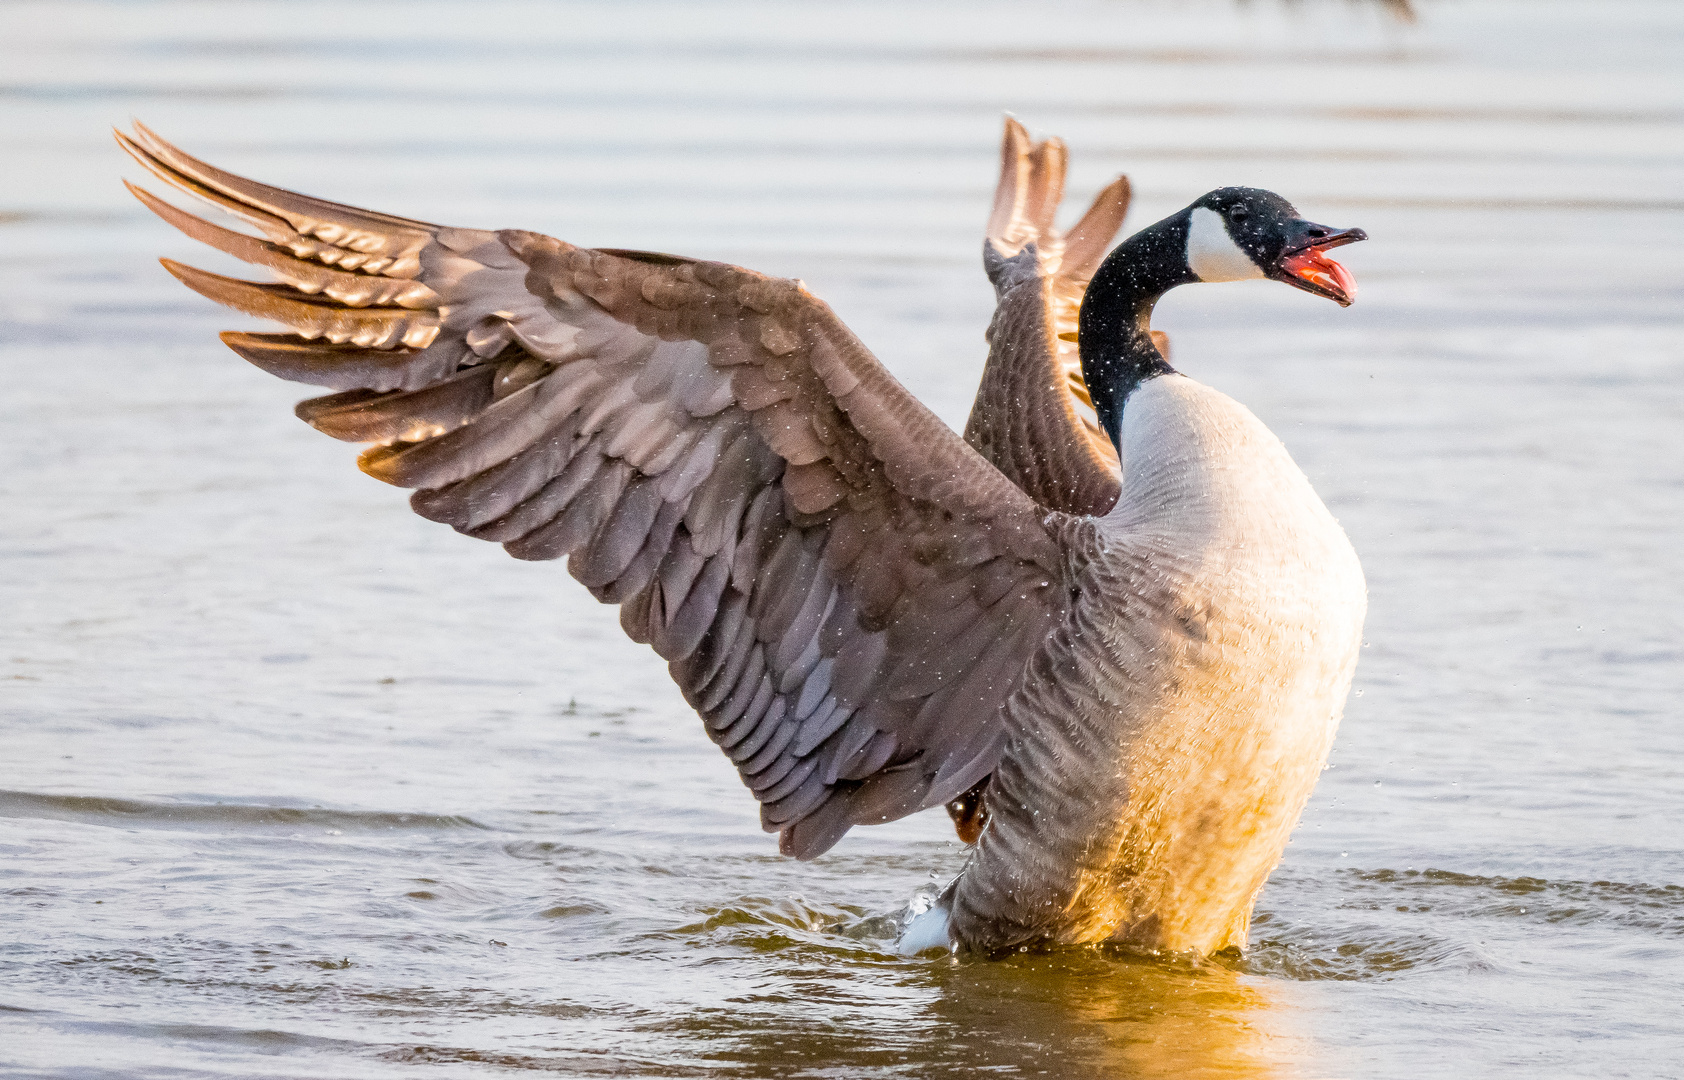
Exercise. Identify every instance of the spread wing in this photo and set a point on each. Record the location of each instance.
(1033, 418)
(841, 587)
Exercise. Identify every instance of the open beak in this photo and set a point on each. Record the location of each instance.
(1305, 265)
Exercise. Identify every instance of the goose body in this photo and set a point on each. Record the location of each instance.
(1112, 628)
(1187, 705)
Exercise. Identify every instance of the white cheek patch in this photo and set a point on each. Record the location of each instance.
(1212, 253)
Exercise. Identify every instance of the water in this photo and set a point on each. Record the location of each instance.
(296, 784)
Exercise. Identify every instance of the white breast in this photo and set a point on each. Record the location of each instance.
(1197, 465)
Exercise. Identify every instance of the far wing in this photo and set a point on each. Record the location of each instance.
(1033, 418)
(841, 587)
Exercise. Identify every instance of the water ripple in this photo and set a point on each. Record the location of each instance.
(103, 810)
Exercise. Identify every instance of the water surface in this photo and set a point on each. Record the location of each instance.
(295, 784)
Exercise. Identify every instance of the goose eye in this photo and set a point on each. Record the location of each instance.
(1238, 213)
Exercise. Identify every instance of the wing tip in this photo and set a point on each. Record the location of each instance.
(181, 271)
(1030, 188)
(159, 206)
(133, 148)
(813, 835)
(219, 287)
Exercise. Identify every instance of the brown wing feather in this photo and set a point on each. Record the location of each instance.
(842, 588)
(1033, 418)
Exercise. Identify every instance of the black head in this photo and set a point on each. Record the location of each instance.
(1228, 235)
(1236, 233)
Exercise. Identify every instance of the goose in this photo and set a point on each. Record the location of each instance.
(868, 614)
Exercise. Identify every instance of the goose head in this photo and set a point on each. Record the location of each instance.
(1236, 233)
(1229, 234)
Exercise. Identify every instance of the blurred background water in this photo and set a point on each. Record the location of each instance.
(295, 784)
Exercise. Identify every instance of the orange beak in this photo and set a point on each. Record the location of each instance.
(1307, 266)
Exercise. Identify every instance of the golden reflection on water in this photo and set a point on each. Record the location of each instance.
(1093, 1013)
(1084, 1011)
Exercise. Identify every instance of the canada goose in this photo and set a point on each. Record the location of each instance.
(869, 617)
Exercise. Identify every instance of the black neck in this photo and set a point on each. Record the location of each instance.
(1115, 335)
